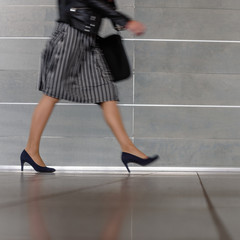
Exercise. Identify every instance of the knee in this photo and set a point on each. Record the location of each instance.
(107, 104)
(55, 100)
(51, 99)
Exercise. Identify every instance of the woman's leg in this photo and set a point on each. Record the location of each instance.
(39, 120)
(113, 119)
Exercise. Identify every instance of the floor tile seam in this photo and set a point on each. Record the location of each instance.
(219, 225)
(50, 196)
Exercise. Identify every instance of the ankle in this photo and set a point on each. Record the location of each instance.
(32, 151)
(128, 147)
(132, 149)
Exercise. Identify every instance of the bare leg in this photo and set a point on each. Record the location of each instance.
(39, 120)
(113, 119)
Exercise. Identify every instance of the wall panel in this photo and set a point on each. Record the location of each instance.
(182, 100)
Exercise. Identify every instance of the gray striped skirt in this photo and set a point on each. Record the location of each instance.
(73, 68)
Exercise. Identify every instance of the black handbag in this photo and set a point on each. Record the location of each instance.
(115, 56)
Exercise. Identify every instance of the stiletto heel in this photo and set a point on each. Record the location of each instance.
(22, 163)
(127, 158)
(26, 158)
(126, 165)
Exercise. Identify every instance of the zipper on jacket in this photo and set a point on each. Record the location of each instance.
(75, 9)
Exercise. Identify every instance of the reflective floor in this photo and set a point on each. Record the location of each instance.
(114, 206)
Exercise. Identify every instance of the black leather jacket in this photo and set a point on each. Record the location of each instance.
(86, 15)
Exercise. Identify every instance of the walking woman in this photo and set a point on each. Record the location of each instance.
(73, 68)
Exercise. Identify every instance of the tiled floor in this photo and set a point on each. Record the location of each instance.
(144, 206)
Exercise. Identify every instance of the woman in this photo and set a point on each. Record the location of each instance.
(74, 69)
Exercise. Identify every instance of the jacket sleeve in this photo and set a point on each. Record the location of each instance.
(106, 10)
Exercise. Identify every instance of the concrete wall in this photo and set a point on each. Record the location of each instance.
(181, 102)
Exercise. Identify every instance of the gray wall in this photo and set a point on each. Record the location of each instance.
(182, 101)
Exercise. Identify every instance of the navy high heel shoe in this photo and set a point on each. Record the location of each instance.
(127, 158)
(26, 158)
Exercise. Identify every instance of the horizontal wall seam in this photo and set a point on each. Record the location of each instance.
(131, 105)
(136, 7)
(183, 40)
(123, 169)
(133, 39)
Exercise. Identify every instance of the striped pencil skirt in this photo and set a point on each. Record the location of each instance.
(73, 68)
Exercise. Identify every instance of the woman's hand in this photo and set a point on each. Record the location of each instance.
(135, 27)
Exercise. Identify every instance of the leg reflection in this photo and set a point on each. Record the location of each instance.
(38, 227)
(114, 223)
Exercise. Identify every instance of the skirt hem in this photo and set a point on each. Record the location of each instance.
(88, 101)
